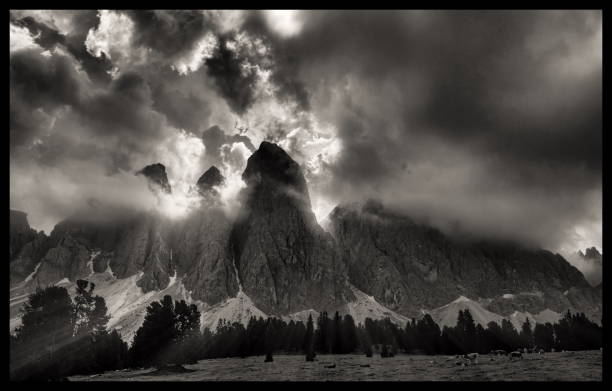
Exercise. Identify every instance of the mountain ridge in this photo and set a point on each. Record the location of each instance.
(274, 253)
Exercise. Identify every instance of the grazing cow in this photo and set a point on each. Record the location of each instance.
(330, 366)
(471, 357)
(516, 354)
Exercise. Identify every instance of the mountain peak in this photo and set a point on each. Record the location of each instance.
(212, 177)
(592, 253)
(156, 173)
(373, 206)
(271, 162)
(19, 220)
(462, 299)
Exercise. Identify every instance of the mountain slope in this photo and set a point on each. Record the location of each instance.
(447, 314)
(275, 260)
(408, 266)
(286, 262)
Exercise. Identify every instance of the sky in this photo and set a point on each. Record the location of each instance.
(481, 123)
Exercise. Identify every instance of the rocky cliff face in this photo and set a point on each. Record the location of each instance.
(590, 264)
(274, 259)
(202, 256)
(156, 173)
(20, 233)
(408, 267)
(126, 246)
(26, 246)
(285, 261)
(211, 178)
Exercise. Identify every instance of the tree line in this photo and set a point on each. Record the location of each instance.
(60, 336)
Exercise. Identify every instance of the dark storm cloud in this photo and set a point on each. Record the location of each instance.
(236, 85)
(48, 38)
(184, 110)
(490, 119)
(515, 91)
(214, 138)
(38, 82)
(169, 32)
(471, 60)
(124, 108)
(119, 122)
(286, 64)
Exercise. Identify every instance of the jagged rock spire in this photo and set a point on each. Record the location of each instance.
(156, 173)
(211, 178)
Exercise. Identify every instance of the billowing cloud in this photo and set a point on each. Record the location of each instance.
(486, 121)
(483, 123)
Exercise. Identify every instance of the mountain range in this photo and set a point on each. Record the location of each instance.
(274, 259)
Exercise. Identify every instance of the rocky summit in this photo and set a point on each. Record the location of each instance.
(211, 178)
(274, 259)
(408, 267)
(286, 262)
(156, 173)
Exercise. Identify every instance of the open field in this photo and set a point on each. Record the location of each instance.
(563, 366)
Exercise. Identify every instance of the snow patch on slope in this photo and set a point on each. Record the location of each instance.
(366, 306)
(109, 271)
(302, 316)
(93, 256)
(172, 280)
(518, 318)
(31, 275)
(447, 314)
(236, 309)
(63, 281)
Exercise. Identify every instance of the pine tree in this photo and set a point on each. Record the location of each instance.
(428, 333)
(543, 336)
(336, 330)
(481, 345)
(269, 340)
(526, 334)
(495, 337)
(154, 338)
(469, 332)
(47, 324)
(309, 340)
(349, 335)
(510, 335)
(322, 337)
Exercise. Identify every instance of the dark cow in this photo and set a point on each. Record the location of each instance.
(471, 356)
(516, 354)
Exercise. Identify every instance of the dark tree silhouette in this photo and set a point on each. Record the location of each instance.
(526, 334)
(544, 336)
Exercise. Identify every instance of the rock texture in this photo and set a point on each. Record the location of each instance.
(20, 233)
(211, 178)
(408, 267)
(156, 173)
(286, 262)
(26, 246)
(202, 255)
(275, 259)
(590, 263)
